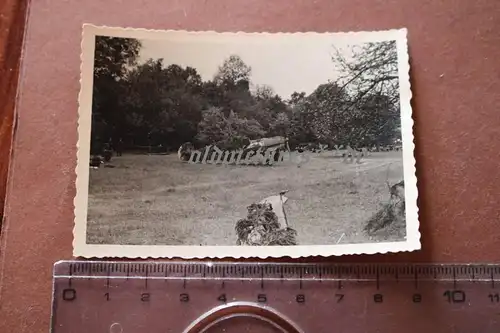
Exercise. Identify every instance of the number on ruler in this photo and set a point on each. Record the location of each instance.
(494, 298)
(262, 298)
(454, 296)
(184, 297)
(417, 298)
(107, 296)
(300, 298)
(222, 298)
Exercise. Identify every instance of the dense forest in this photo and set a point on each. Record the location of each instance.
(159, 105)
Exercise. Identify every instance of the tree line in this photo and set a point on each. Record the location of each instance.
(157, 105)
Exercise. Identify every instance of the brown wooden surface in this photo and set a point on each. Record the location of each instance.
(454, 50)
(11, 32)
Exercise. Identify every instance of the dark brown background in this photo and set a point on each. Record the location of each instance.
(455, 70)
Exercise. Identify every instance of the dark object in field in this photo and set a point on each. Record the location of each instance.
(391, 214)
(271, 154)
(107, 155)
(185, 150)
(96, 161)
(354, 152)
(119, 147)
(311, 146)
(261, 227)
(271, 149)
(387, 148)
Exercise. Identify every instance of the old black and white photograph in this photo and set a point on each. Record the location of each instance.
(219, 144)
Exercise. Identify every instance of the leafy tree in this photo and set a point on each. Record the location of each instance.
(264, 92)
(330, 117)
(369, 111)
(266, 108)
(212, 94)
(112, 58)
(230, 88)
(216, 128)
(212, 127)
(113, 55)
(246, 128)
(232, 72)
(280, 126)
(378, 122)
(163, 104)
(296, 98)
(151, 104)
(371, 69)
(301, 130)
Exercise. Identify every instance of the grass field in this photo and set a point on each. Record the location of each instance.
(159, 200)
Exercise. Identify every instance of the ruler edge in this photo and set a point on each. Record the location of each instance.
(492, 269)
(277, 263)
(248, 263)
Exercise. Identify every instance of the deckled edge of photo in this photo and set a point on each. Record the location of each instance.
(80, 201)
(82, 249)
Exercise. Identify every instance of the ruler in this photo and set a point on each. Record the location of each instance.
(235, 297)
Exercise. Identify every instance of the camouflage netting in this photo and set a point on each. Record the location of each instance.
(261, 227)
(390, 215)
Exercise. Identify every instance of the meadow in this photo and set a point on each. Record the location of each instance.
(159, 200)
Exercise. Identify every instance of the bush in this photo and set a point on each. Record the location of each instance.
(261, 227)
(390, 215)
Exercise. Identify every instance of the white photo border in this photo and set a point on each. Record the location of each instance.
(82, 249)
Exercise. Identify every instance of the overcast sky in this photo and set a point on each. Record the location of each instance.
(287, 63)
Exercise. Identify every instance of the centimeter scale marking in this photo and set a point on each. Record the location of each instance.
(294, 297)
(276, 271)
